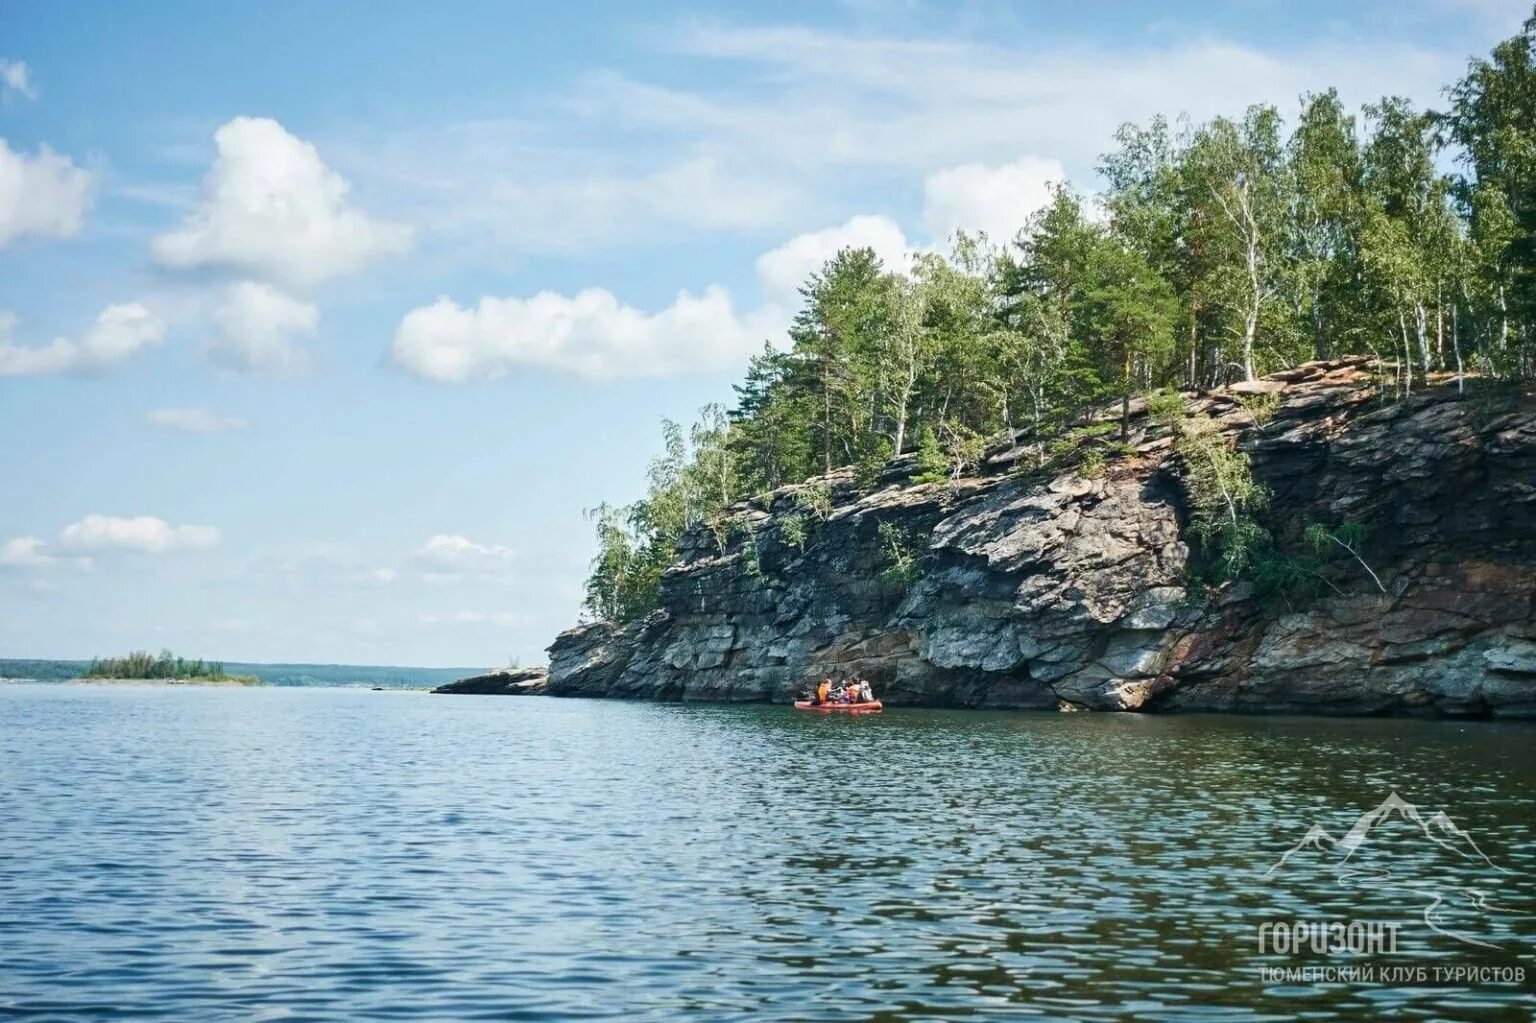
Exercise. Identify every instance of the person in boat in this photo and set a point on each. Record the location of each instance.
(865, 694)
(824, 690)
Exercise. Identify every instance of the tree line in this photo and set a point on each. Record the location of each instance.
(1215, 252)
(143, 664)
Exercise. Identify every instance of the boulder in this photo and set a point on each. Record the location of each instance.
(506, 682)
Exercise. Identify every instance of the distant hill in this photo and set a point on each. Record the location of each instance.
(274, 674)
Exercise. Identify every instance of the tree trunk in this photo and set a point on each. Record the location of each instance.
(1421, 331)
(1125, 402)
(1319, 339)
(826, 418)
(1461, 383)
(1503, 321)
(1250, 329)
(1194, 339)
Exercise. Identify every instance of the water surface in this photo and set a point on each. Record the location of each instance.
(215, 854)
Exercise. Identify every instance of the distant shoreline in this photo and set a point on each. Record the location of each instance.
(221, 682)
(290, 674)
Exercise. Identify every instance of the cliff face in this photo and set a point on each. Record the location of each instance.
(1066, 588)
(506, 682)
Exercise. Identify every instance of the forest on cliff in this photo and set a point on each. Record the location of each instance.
(1215, 252)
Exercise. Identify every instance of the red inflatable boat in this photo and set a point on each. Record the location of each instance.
(840, 708)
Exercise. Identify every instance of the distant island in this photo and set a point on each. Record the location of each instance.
(140, 665)
(276, 674)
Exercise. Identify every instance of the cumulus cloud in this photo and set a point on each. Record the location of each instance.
(16, 79)
(104, 534)
(458, 555)
(193, 420)
(25, 552)
(272, 210)
(120, 331)
(981, 197)
(591, 335)
(41, 194)
(143, 534)
(783, 270)
(258, 326)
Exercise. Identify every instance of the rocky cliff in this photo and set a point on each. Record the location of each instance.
(1063, 579)
(506, 682)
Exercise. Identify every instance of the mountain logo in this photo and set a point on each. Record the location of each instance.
(1364, 858)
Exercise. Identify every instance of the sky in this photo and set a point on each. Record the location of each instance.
(321, 325)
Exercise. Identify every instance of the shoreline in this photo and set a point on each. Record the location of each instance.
(1247, 711)
(226, 683)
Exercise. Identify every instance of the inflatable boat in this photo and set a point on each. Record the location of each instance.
(840, 708)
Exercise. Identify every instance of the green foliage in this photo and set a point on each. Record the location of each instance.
(793, 528)
(902, 549)
(751, 557)
(140, 664)
(1288, 579)
(1261, 408)
(1292, 578)
(874, 453)
(1167, 406)
(690, 485)
(947, 460)
(815, 499)
(1230, 248)
(1349, 536)
(1091, 466)
(932, 464)
(1224, 498)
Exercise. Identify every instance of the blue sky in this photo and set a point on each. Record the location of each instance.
(320, 325)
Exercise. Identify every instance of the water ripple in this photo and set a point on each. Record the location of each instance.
(337, 855)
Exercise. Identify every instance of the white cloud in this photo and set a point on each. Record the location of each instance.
(43, 194)
(144, 534)
(258, 325)
(994, 199)
(25, 552)
(923, 104)
(16, 79)
(383, 575)
(273, 210)
(35, 554)
(467, 617)
(591, 335)
(783, 270)
(458, 555)
(120, 331)
(801, 122)
(193, 420)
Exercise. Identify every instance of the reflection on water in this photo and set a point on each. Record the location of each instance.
(335, 854)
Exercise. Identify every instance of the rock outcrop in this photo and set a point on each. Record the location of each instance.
(506, 682)
(1050, 580)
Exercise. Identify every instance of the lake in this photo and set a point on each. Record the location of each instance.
(329, 854)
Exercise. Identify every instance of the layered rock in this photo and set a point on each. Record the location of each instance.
(1068, 585)
(506, 682)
